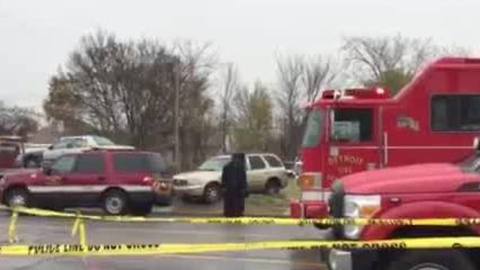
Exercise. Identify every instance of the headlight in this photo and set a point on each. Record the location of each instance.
(310, 180)
(180, 182)
(359, 206)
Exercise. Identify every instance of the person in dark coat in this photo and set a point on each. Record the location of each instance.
(234, 182)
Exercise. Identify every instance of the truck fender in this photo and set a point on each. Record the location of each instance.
(418, 210)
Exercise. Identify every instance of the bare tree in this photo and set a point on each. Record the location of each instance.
(317, 74)
(229, 86)
(61, 106)
(253, 119)
(17, 121)
(124, 88)
(389, 61)
(289, 73)
(127, 90)
(197, 63)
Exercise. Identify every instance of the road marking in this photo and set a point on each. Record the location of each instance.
(245, 259)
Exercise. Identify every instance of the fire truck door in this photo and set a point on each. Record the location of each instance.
(354, 142)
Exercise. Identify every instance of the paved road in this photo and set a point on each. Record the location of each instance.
(40, 230)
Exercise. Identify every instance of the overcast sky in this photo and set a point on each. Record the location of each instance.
(36, 36)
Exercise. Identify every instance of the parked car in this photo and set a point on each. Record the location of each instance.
(265, 173)
(118, 181)
(423, 191)
(78, 144)
(32, 156)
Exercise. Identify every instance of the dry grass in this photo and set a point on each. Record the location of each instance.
(265, 205)
(256, 205)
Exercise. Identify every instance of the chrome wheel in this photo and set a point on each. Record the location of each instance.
(17, 200)
(115, 203)
(17, 197)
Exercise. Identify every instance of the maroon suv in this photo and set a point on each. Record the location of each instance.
(118, 181)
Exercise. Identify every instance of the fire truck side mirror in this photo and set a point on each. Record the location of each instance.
(476, 144)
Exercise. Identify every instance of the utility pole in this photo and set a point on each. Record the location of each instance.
(178, 159)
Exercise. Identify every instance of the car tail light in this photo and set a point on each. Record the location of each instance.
(147, 180)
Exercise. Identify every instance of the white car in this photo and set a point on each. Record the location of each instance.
(78, 144)
(265, 173)
(32, 156)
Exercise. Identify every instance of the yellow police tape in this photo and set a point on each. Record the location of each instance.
(257, 220)
(83, 249)
(80, 229)
(159, 249)
(12, 228)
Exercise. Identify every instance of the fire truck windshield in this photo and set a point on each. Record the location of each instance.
(314, 129)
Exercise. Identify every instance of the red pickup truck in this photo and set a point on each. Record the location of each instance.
(433, 190)
(117, 181)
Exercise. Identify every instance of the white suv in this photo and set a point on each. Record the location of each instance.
(77, 144)
(265, 173)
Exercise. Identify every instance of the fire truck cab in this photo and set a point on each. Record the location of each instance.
(435, 118)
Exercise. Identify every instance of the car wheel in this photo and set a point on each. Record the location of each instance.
(212, 193)
(272, 187)
(115, 202)
(17, 197)
(432, 260)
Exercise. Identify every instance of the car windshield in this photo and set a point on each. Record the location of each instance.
(214, 164)
(102, 141)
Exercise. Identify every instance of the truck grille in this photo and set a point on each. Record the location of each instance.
(336, 206)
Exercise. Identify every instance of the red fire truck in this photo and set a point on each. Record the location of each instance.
(435, 118)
